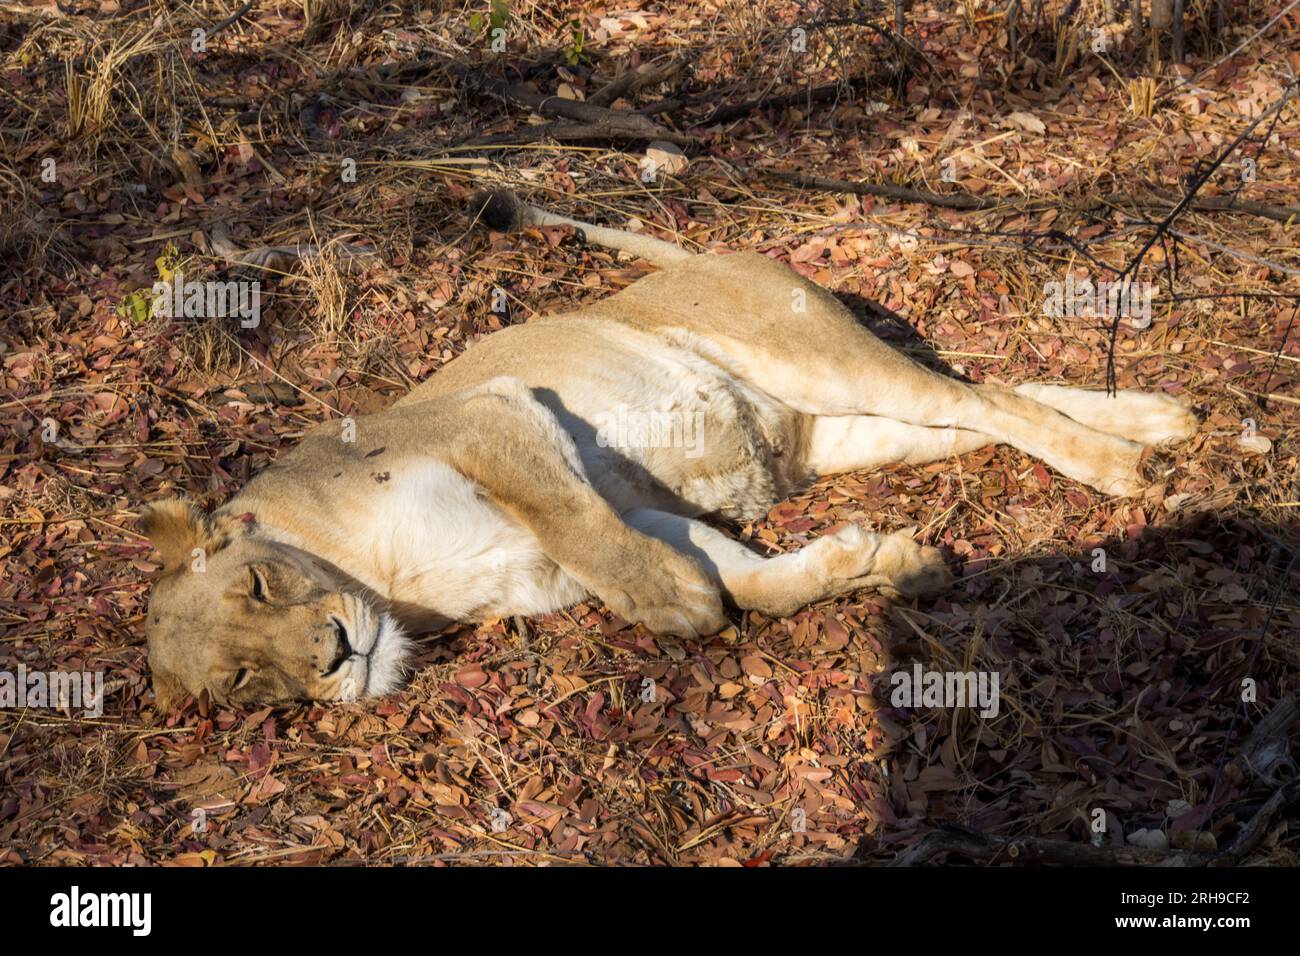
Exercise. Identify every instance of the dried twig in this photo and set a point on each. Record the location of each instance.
(1282, 214)
(1269, 744)
(968, 201)
(1199, 180)
(817, 94)
(957, 200)
(592, 121)
(632, 80)
(237, 15)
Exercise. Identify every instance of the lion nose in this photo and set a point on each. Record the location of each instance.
(343, 649)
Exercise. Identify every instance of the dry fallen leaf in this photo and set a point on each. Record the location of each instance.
(1027, 121)
(586, 738)
(667, 157)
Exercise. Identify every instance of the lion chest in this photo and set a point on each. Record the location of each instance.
(431, 540)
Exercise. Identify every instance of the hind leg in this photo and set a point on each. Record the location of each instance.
(797, 342)
(840, 443)
(848, 560)
(900, 390)
(1151, 418)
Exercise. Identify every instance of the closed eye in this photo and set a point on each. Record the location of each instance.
(257, 587)
(242, 677)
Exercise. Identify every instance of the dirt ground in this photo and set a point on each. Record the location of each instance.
(1138, 642)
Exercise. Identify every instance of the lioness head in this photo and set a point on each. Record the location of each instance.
(252, 620)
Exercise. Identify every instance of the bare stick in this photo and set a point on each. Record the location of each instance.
(633, 80)
(1200, 180)
(818, 94)
(1178, 32)
(618, 124)
(1269, 744)
(967, 201)
(899, 193)
(237, 15)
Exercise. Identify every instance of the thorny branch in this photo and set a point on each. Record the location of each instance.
(1193, 187)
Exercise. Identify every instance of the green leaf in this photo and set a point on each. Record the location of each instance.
(169, 263)
(136, 307)
(500, 13)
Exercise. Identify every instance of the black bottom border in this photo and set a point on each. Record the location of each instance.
(303, 904)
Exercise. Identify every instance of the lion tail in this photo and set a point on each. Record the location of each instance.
(503, 211)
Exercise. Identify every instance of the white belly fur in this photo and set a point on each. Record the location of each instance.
(435, 543)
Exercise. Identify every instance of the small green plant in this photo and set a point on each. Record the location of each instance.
(574, 53)
(497, 17)
(136, 307)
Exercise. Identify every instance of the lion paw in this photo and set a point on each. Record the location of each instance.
(1113, 467)
(914, 570)
(855, 558)
(1161, 420)
(672, 595)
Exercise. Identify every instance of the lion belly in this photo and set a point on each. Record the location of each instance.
(658, 419)
(671, 430)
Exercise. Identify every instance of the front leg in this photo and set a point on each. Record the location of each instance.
(500, 437)
(834, 564)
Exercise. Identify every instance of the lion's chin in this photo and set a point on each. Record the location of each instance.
(387, 658)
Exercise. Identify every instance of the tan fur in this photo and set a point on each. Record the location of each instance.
(493, 488)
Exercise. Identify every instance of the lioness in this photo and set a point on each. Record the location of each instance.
(494, 488)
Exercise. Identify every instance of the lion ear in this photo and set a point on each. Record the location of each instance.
(175, 527)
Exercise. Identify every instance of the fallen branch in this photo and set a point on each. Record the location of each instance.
(591, 121)
(1269, 744)
(1257, 827)
(633, 80)
(818, 94)
(970, 202)
(278, 258)
(1282, 214)
(900, 193)
(561, 132)
(986, 848)
(237, 15)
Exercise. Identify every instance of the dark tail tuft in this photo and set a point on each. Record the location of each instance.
(498, 209)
